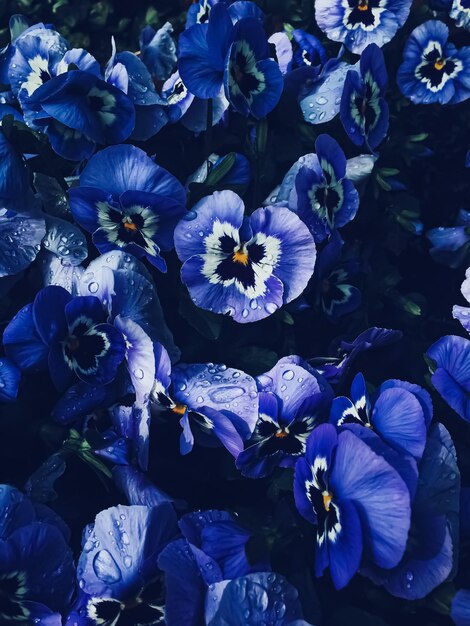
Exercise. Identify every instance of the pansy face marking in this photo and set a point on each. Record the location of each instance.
(327, 198)
(288, 438)
(364, 14)
(12, 591)
(204, 11)
(435, 69)
(178, 93)
(39, 74)
(111, 612)
(247, 265)
(84, 346)
(321, 498)
(244, 77)
(125, 225)
(103, 103)
(365, 107)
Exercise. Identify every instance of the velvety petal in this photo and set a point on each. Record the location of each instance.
(380, 495)
(398, 417)
(345, 549)
(421, 395)
(15, 511)
(118, 169)
(196, 66)
(118, 545)
(303, 476)
(228, 391)
(460, 610)
(297, 259)
(139, 356)
(185, 588)
(48, 313)
(84, 205)
(22, 343)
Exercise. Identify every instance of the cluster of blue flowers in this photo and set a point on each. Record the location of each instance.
(370, 472)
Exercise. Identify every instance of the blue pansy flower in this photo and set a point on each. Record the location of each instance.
(324, 198)
(36, 564)
(214, 403)
(68, 334)
(127, 72)
(78, 110)
(129, 203)
(253, 81)
(450, 366)
(450, 245)
(460, 12)
(245, 267)
(158, 50)
(399, 413)
(335, 294)
(308, 49)
(462, 313)
(358, 502)
(117, 570)
(10, 376)
(35, 57)
(364, 110)
(432, 547)
(292, 401)
(357, 23)
(202, 53)
(433, 70)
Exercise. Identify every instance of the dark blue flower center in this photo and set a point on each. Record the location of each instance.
(435, 68)
(362, 13)
(239, 261)
(243, 76)
(11, 592)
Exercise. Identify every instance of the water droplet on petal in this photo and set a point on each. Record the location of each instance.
(288, 375)
(106, 568)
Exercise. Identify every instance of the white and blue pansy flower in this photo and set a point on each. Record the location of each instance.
(291, 403)
(460, 12)
(434, 70)
(359, 503)
(324, 198)
(364, 110)
(36, 56)
(119, 576)
(243, 267)
(357, 23)
(253, 82)
(129, 203)
(399, 414)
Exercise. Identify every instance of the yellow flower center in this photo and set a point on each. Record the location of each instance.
(240, 255)
(327, 500)
(439, 64)
(130, 226)
(363, 5)
(179, 408)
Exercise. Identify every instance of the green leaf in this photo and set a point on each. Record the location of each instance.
(207, 324)
(217, 173)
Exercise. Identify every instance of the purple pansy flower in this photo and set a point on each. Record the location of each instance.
(358, 502)
(293, 399)
(245, 267)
